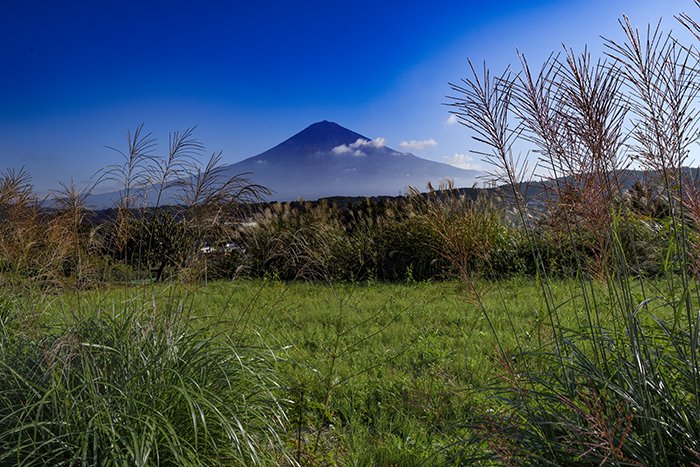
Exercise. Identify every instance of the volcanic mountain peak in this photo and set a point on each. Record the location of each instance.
(320, 137)
(325, 134)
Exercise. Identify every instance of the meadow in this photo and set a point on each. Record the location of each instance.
(371, 374)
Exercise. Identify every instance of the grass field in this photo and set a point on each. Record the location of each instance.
(376, 373)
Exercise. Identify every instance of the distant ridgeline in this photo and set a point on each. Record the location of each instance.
(537, 194)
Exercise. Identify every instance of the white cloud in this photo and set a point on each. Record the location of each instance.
(418, 145)
(377, 142)
(463, 161)
(342, 149)
(451, 120)
(356, 147)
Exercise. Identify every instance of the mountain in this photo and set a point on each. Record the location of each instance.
(326, 159)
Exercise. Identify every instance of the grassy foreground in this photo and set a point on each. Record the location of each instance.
(382, 374)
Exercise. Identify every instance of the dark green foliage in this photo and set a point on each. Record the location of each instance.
(159, 241)
(391, 241)
(320, 242)
(400, 239)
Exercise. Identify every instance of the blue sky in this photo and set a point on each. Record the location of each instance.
(76, 75)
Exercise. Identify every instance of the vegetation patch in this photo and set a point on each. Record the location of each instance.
(136, 386)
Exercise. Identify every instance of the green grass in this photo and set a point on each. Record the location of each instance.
(135, 383)
(376, 373)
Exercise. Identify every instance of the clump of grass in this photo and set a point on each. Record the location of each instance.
(415, 238)
(294, 243)
(466, 232)
(20, 227)
(136, 386)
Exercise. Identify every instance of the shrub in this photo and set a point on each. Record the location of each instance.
(292, 243)
(465, 232)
